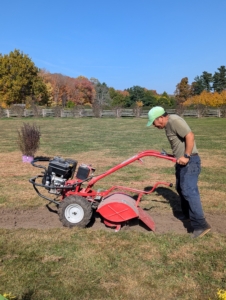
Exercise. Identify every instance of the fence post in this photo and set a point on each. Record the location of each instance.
(218, 113)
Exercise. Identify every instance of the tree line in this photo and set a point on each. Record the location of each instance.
(22, 82)
(206, 90)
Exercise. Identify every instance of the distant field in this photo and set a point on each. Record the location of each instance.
(86, 265)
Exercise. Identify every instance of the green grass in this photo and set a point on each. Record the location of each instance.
(98, 265)
(82, 264)
(71, 136)
(119, 136)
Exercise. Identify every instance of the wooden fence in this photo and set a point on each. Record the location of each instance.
(70, 113)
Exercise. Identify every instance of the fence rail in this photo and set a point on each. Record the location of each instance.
(78, 113)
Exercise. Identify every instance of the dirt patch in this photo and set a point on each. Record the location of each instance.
(46, 217)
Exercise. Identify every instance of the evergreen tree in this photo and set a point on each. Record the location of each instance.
(207, 80)
(197, 86)
(136, 93)
(219, 80)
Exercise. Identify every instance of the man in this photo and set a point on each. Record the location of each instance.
(188, 166)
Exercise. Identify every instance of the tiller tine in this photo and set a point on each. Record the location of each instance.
(146, 219)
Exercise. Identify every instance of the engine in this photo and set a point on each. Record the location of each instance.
(58, 172)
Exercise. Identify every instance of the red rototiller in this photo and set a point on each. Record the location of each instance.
(76, 199)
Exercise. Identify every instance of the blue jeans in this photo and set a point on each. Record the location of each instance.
(187, 188)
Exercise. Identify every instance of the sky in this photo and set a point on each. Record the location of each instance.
(149, 43)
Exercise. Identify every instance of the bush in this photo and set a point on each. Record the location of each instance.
(17, 110)
(29, 139)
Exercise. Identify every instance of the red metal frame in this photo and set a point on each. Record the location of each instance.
(91, 194)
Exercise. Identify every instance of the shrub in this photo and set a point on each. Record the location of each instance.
(29, 139)
(18, 110)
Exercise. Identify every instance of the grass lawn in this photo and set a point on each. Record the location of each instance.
(94, 265)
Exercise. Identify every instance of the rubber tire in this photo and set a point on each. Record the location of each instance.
(82, 204)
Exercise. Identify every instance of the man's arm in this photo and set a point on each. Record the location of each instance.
(189, 144)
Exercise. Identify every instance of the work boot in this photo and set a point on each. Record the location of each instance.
(201, 232)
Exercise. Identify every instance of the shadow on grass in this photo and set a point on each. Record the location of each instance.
(170, 197)
(28, 295)
(173, 199)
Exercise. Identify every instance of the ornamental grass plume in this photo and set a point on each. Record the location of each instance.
(29, 139)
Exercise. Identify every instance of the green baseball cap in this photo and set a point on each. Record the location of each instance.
(154, 113)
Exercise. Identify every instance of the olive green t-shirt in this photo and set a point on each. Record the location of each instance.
(176, 129)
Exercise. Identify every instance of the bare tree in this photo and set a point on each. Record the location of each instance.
(101, 98)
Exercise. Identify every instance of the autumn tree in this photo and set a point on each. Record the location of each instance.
(207, 99)
(68, 91)
(82, 91)
(183, 91)
(19, 79)
(137, 108)
(59, 89)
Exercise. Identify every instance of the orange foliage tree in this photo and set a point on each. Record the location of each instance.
(64, 89)
(207, 99)
(183, 91)
(82, 91)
